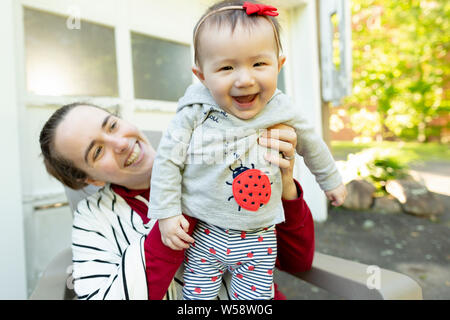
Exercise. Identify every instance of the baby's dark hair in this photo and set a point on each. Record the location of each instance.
(231, 18)
(57, 166)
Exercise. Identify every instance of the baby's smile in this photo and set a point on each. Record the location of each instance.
(245, 101)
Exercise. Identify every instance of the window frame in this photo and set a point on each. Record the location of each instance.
(159, 38)
(115, 17)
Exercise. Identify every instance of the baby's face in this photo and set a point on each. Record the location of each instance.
(240, 69)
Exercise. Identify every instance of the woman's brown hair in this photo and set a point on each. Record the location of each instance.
(62, 169)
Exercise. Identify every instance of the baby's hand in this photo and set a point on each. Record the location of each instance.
(174, 232)
(337, 196)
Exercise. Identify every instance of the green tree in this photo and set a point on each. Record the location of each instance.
(401, 66)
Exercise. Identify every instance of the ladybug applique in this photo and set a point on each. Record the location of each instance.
(251, 187)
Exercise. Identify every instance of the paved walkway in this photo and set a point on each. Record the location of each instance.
(435, 175)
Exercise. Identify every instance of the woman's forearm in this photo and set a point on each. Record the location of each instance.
(289, 191)
(295, 236)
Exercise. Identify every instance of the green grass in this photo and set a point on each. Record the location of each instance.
(413, 151)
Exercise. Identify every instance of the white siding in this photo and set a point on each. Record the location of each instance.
(12, 263)
(304, 87)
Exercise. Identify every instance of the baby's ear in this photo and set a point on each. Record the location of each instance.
(198, 73)
(281, 61)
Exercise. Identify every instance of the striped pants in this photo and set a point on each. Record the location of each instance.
(248, 255)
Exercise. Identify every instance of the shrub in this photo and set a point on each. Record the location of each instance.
(377, 165)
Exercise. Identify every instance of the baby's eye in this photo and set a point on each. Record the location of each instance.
(226, 68)
(259, 64)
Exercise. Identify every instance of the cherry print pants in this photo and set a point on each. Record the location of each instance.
(248, 255)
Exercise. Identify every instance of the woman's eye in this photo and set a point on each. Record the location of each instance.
(113, 125)
(97, 152)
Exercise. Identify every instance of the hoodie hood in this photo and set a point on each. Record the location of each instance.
(196, 93)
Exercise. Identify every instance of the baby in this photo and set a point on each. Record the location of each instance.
(210, 166)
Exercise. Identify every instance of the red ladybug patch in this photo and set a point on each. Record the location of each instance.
(251, 188)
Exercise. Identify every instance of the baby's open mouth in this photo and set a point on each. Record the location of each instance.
(245, 99)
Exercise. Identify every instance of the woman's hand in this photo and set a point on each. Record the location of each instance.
(283, 139)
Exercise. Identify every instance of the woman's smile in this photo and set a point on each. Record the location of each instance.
(135, 156)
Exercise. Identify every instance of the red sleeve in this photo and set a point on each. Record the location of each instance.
(295, 236)
(161, 262)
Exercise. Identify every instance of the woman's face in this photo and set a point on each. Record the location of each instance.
(107, 148)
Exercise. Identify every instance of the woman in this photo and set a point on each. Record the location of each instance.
(117, 251)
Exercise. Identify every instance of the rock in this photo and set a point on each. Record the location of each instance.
(359, 195)
(387, 204)
(368, 224)
(415, 198)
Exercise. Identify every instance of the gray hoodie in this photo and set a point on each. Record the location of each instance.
(206, 153)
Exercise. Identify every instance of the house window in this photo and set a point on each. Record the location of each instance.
(161, 69)
(62, 61)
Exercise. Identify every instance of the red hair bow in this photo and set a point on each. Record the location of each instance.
(260, 9)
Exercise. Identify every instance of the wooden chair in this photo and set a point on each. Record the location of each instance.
(344, 278)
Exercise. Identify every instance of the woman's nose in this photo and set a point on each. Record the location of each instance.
(244, 79)
(119, 144)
